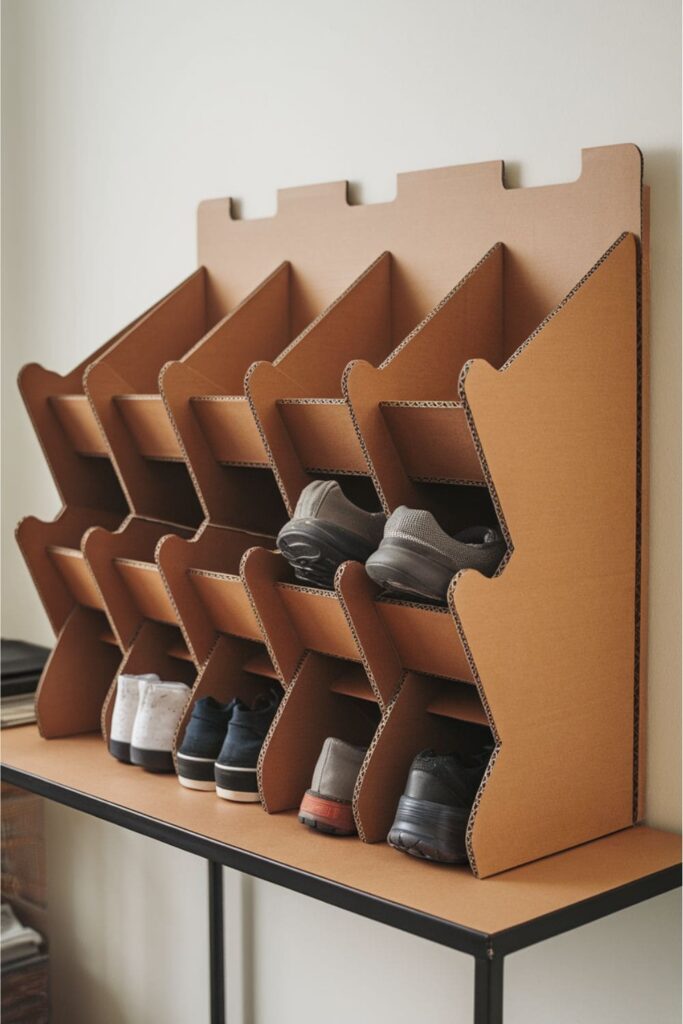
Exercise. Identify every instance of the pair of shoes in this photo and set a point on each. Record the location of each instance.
(146, 714)
(222, 744)
(407, 553)
(431, 818)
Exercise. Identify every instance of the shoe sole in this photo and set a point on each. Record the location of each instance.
(238, 784)
(197, 784)
(332, 816)
(408, 572)
(237, 796)
(430, 831)
(120, 750)
(195, 772)
(315, 550)
(152, 760)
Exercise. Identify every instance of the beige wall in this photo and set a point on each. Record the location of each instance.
(118, 117)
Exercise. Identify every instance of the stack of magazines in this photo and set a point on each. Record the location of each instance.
(17, 941)
(22, 665)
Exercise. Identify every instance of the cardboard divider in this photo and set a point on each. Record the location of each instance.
(551, 639)
(340, 662)
(314, 707)
(218, 621)
(53, 554)
(301, 389)
(415, 721)
(77, 676)
(204, 395)
(399, 408)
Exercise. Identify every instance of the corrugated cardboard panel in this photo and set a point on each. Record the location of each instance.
(552, 636)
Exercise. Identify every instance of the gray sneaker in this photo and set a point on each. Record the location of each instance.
(417, 557)
(326, 530)
(327, 805)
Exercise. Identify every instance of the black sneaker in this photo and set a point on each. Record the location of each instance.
(326, 530)
(202, 743)
(417, 557)
(235, 768)
(431, 818)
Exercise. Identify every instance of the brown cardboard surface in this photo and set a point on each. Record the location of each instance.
(356, 324)
(407, 727)
(131, 367)
(77, 676)
(311, 710)
(425, 367)
(551, 637)
(50, 572)
(436, 229)
(204, 397)
(202, 574)
(122, 563)
(452, 894)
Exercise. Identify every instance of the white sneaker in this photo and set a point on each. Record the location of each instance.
(158, 716)
(128, 690)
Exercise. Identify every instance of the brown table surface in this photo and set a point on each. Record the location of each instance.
(491, 905)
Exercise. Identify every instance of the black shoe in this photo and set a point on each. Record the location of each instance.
(431, 818)
(417, 557)
(326, 530)
(235, 768)
(202, 743)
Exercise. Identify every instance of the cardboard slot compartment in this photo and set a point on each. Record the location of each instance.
(425, 638)
(202, 574)
(52, 551)
(225, 603)
(157, 647)
(146, 589)
(353, 682)
(204, 393)
(77, 676)
(122, 387)
(76, 575)
(301, 389)
(312, 709)
(123, 565)
(78, 421)
(230, 431)
(456, 700)
(401, 407)
(227, 674)
(419, 718)
(261, 665)
(147, 420)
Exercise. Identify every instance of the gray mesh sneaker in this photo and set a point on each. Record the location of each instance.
(417, 557)
(326, 530)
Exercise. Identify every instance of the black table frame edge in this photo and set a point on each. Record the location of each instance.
(489, 950)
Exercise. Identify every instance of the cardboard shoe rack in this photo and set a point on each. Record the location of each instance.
(470, 349)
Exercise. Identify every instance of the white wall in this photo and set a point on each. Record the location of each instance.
(117, 118)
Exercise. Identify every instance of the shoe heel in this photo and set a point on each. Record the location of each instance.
(429, 830)
(327, 815)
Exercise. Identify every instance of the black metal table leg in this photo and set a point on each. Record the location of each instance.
(488, 989)
(216, 953)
